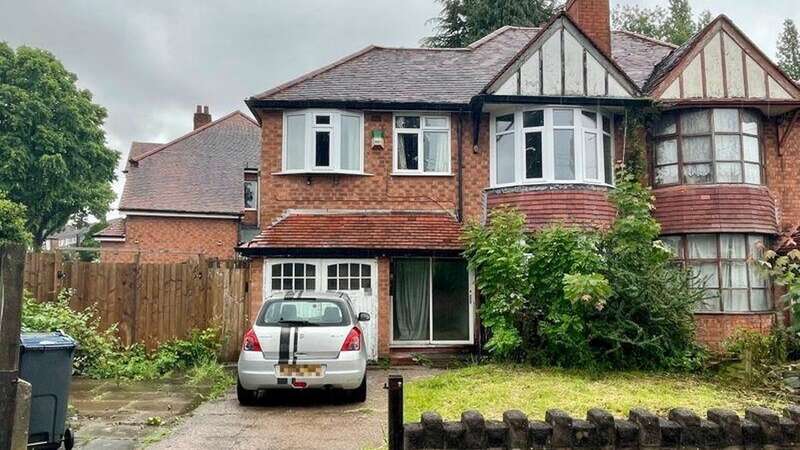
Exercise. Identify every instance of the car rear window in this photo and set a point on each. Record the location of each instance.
(304, 312)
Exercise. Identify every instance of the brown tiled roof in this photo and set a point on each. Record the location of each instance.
(426, 75)
(378, 230)
(200, 172)
(115, 229)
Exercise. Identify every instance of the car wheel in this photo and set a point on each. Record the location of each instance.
(69, 439)
(246, 397)
(359, 394)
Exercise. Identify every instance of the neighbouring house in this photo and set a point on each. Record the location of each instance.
(197, 196)
(70, 236)
(371, 165)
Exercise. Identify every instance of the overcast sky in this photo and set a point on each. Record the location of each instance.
(149, 62)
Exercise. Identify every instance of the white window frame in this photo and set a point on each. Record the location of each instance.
(321, 266)
(256, 193)
(432, 342)
(420, 171)
(310, 129)
(548, 146)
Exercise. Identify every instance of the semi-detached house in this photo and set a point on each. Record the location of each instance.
(370, 166)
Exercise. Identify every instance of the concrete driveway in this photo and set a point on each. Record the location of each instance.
(307, 421)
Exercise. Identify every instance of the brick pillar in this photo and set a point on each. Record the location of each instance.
(384, 307)
(594, 18)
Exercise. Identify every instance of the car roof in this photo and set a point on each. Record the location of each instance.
(320, 295)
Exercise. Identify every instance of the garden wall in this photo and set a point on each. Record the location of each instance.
(682, 429)
(151, 303)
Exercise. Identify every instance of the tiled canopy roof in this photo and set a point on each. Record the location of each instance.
(200, 172)
(378, 230)
(115, 229)
(380, 74)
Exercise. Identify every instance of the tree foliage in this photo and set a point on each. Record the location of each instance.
(789, 50)
(675, 23)
(462, 22)
(12, 222)
(53, 154)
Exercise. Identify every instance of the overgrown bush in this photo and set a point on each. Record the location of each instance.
(762, 355)
(784, 270)
(100, 353)
(580, 298)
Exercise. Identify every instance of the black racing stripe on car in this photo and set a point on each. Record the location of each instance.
(283, 350)
(294, 348)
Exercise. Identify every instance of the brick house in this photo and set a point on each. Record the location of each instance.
(196, 195)
(371, 165)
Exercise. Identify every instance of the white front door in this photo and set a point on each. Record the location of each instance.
(358, 278)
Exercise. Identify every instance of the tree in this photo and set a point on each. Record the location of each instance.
(644, 21)
(462, 22)
(679, 25)
(12, 222)
(673, 24)
(789, 50)
(53, 155)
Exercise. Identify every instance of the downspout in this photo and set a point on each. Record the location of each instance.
(460, 173)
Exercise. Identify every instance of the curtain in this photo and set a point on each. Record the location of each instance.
(411, 299)
(436, 154)
(295, 141)
(350, 146)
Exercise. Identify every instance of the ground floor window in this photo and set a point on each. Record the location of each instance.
(724, 265)
(431, 300)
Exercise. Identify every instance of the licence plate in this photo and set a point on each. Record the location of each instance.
(300, 370)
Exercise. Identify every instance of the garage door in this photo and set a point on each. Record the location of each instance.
(358, 278)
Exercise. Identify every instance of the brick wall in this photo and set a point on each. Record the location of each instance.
(384, 306)
(783, 172)
(714, 329)
(172, 239)
(256, 288)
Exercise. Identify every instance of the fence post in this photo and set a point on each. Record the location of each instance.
(12, 261)
(395, 387)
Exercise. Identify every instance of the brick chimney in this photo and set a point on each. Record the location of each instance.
(594, 18)
(201, 116)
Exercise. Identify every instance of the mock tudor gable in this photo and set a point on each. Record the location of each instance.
(720, 62)
(562, 61)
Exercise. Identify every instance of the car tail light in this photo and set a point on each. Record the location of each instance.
(250, 342)
(299, 384)
(352, 343)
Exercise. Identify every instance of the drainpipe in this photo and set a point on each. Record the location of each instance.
(460, 173)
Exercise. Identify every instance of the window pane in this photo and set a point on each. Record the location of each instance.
(697, 149)
(344, 284)
(728, 147)
(407, 151)
(589, 119)
(366, 270)
(450, 300)
(344, 270)
(332, 284)
(276, 270)
(590, 165)
(607, 124)
(726, 120)
(323, 149)
(563, 117)
(695, 122)
(706, 275)
(366, 283)
(666, 125)
(608, 160)
(351, 143)
(759, 300)
(311, 270)
(667, 152)
(322, 120)
(436, 122)
(354, 272)
(675, 244)
(533, 155)
(734, 274)
(697, 173)
(533, 119)
(564, 154)
(332, 270)
(295, 142)
(752, 173)
(702, 246)
(287, 269)
(732, 246)
(276, 284)
(751, 149)
(411, 307)
(729, 172)
(505, 123)
(735, 300)
(250, 194)
(756, 244)
(311, 284)
(437, 152)
(505, 159)
(407, 122)
(710, 302)
(287, 284)
(749, 122)
(667, 174)
(757, 279)
(299, 270)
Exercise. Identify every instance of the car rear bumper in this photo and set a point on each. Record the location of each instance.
(345, 372)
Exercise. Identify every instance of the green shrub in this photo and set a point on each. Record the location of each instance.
(12, 222)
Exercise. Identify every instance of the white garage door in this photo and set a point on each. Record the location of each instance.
(356, 277)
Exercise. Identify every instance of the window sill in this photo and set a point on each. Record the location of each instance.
(734, 313)
(422, 174)
(552, 183)
(398, 345)
(321, 172)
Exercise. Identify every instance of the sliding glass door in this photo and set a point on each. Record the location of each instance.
(431, 301)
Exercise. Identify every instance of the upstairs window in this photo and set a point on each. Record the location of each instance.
(422, 144)
(707, 147)
(323, 141)
(552, 145)
(251, 194)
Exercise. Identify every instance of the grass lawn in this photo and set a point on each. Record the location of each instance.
(493, 389)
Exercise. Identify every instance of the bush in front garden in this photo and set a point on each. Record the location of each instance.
(579, 298)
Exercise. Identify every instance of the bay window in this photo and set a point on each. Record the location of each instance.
(323, 141)
(723, 266)
(707, 147)
(422, 144)
(552, 145)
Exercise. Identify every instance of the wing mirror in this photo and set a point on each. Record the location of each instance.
(363, 317)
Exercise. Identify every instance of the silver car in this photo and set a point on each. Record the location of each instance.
(303, 340)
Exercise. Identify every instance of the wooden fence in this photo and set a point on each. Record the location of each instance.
(150, 303)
